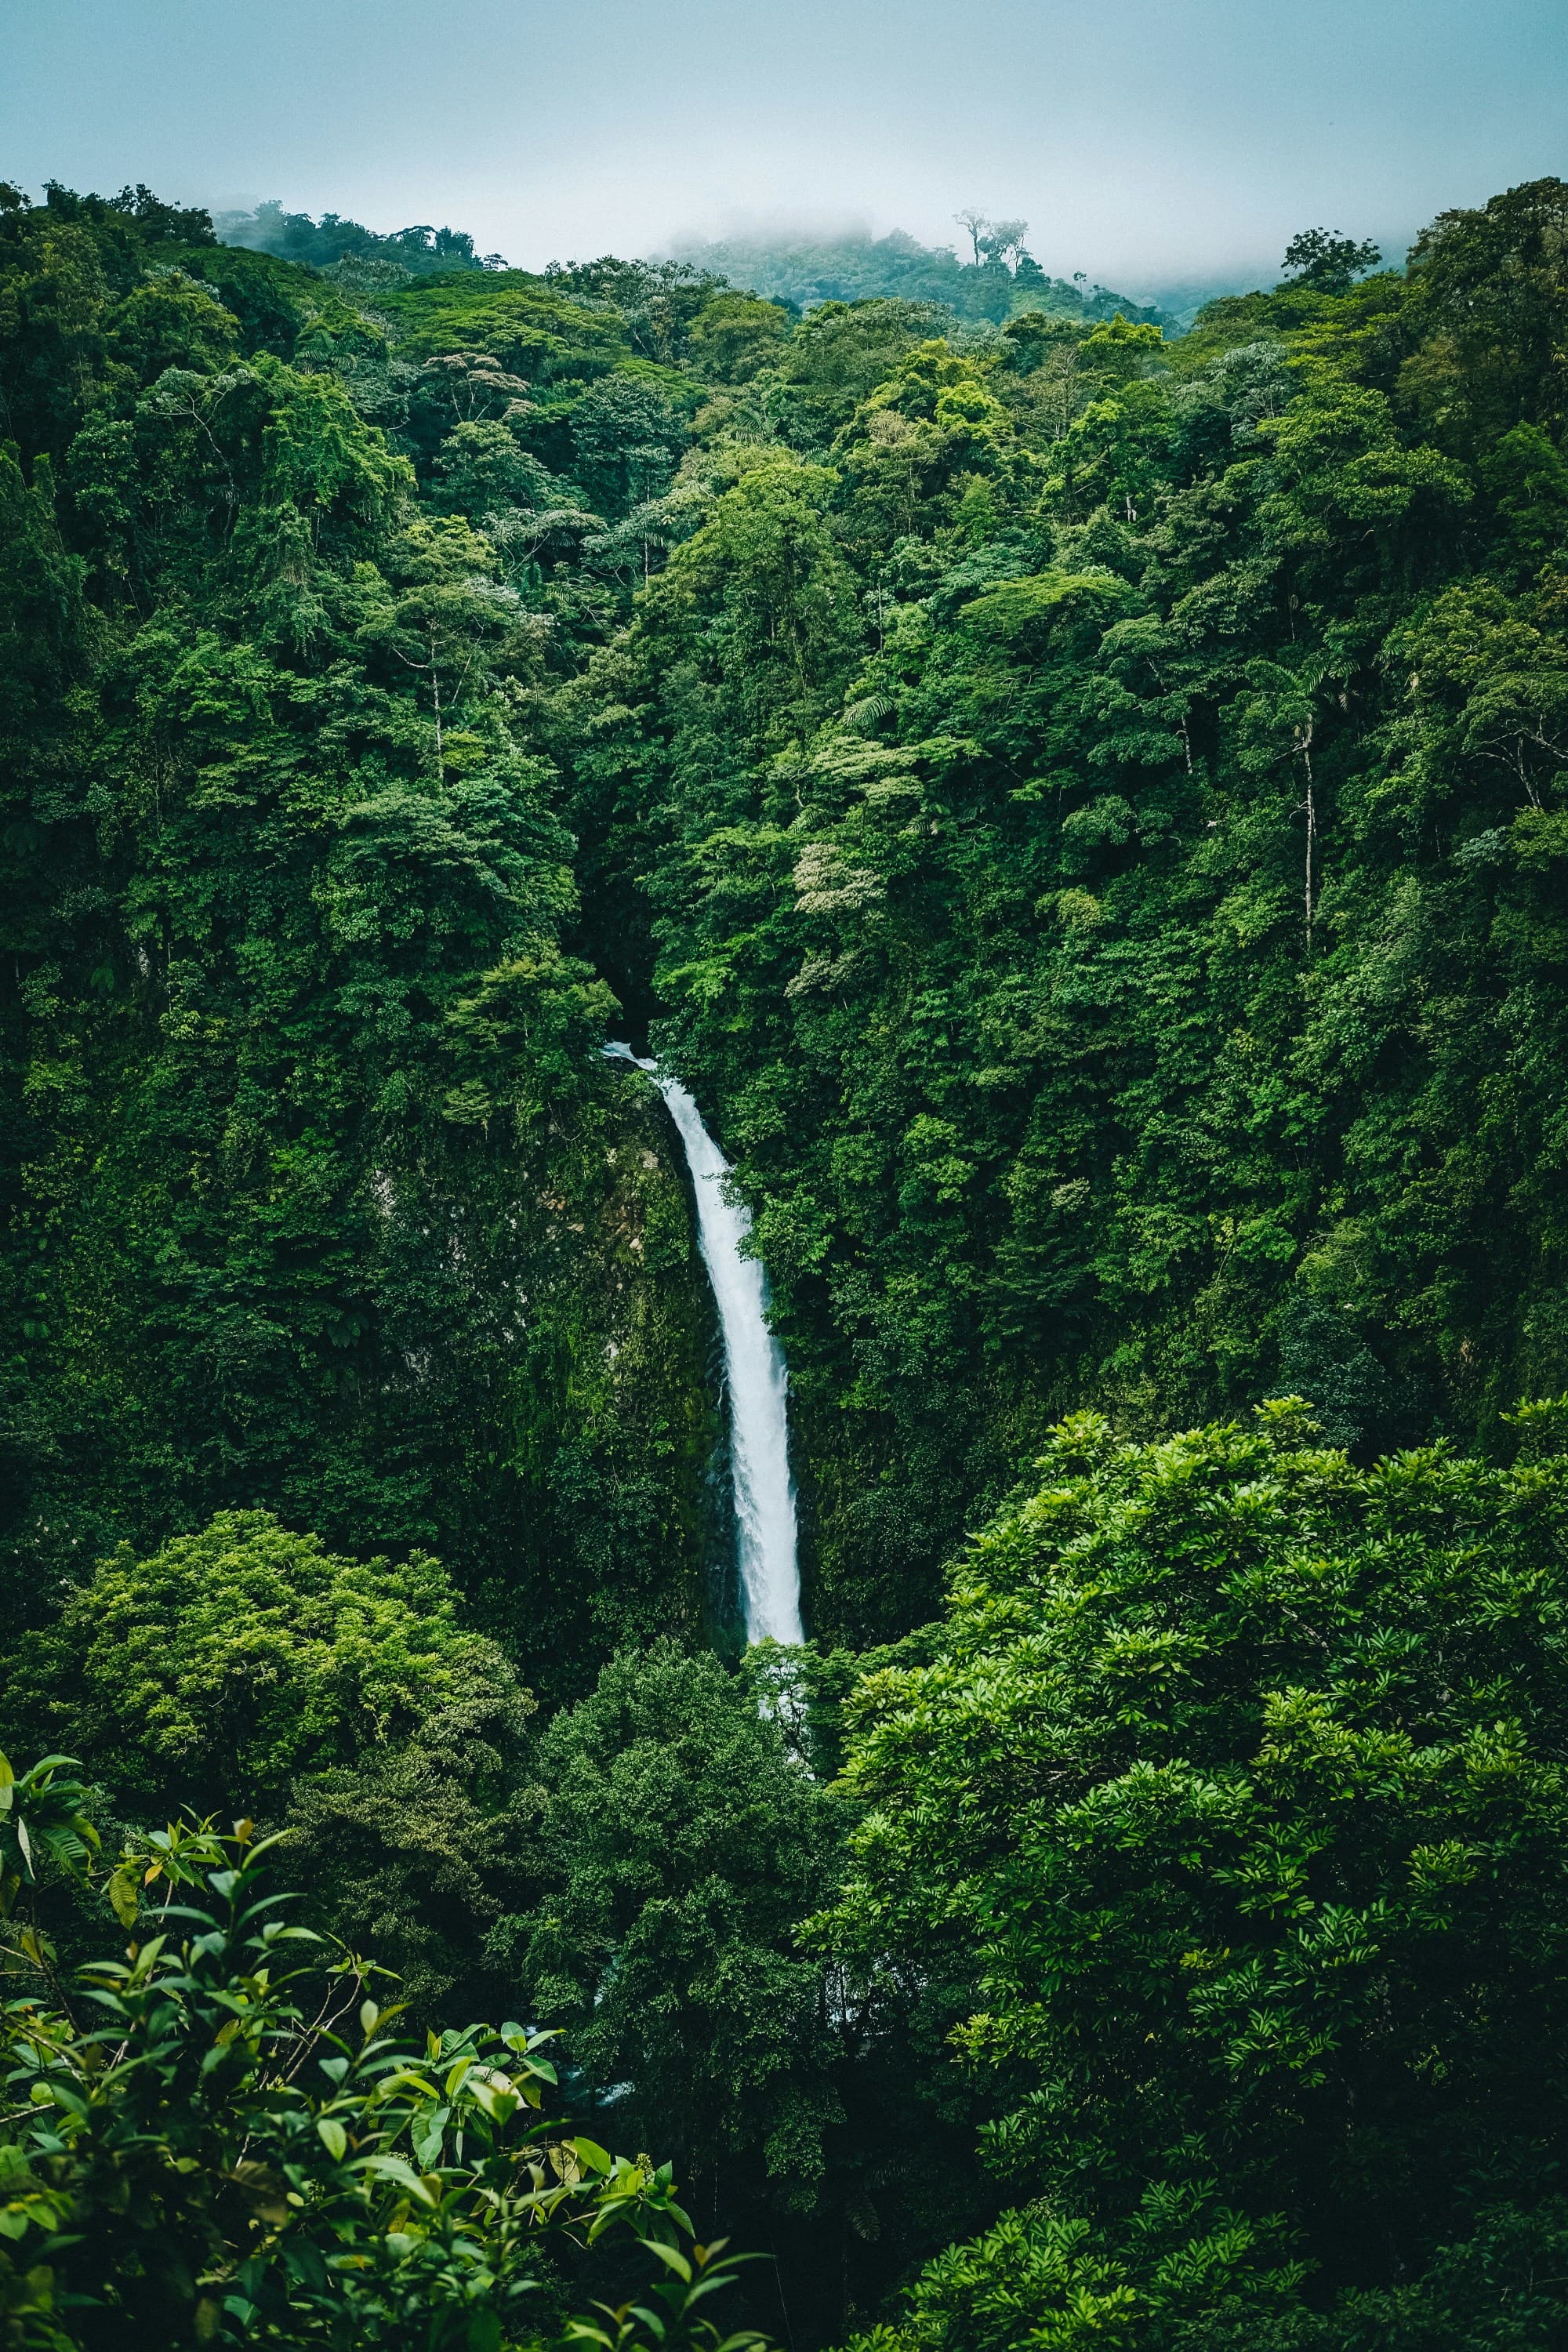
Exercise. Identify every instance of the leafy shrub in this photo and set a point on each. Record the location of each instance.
(216, 2139)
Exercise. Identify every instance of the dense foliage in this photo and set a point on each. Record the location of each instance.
(319, 1197)
(236, 1660)
(1237, 1773)
(1083, 810)
(1097, 806)
(234, 2149)
(676, 1834)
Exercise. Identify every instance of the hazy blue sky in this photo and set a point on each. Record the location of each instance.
(1146, 140)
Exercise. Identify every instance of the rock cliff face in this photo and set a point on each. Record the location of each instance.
(613, 1464)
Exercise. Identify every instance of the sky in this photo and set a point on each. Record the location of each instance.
(1148, 142)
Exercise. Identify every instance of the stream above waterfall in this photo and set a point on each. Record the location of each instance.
(755, 1376)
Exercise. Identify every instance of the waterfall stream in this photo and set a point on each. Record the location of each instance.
(755, 1373)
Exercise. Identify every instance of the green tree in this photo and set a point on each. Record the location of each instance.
(234, 1662)
(1490, 284)
(674, 1836)
(733, 335)
(1325, 261)
(40, 604)
(672, 1843)
(626, 440)
(1234, 1778)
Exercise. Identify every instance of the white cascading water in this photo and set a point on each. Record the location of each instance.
(755, 1374)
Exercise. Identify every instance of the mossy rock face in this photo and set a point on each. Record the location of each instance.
(617, 1452)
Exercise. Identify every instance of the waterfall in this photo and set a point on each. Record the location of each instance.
(755, 1373)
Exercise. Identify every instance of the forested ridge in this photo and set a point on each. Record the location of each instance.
(1002, 276)
(1081, 808)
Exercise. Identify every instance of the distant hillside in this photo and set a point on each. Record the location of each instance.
(1004, 277)
(356, 252)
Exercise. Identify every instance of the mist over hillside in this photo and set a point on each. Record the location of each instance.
(997, 276)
